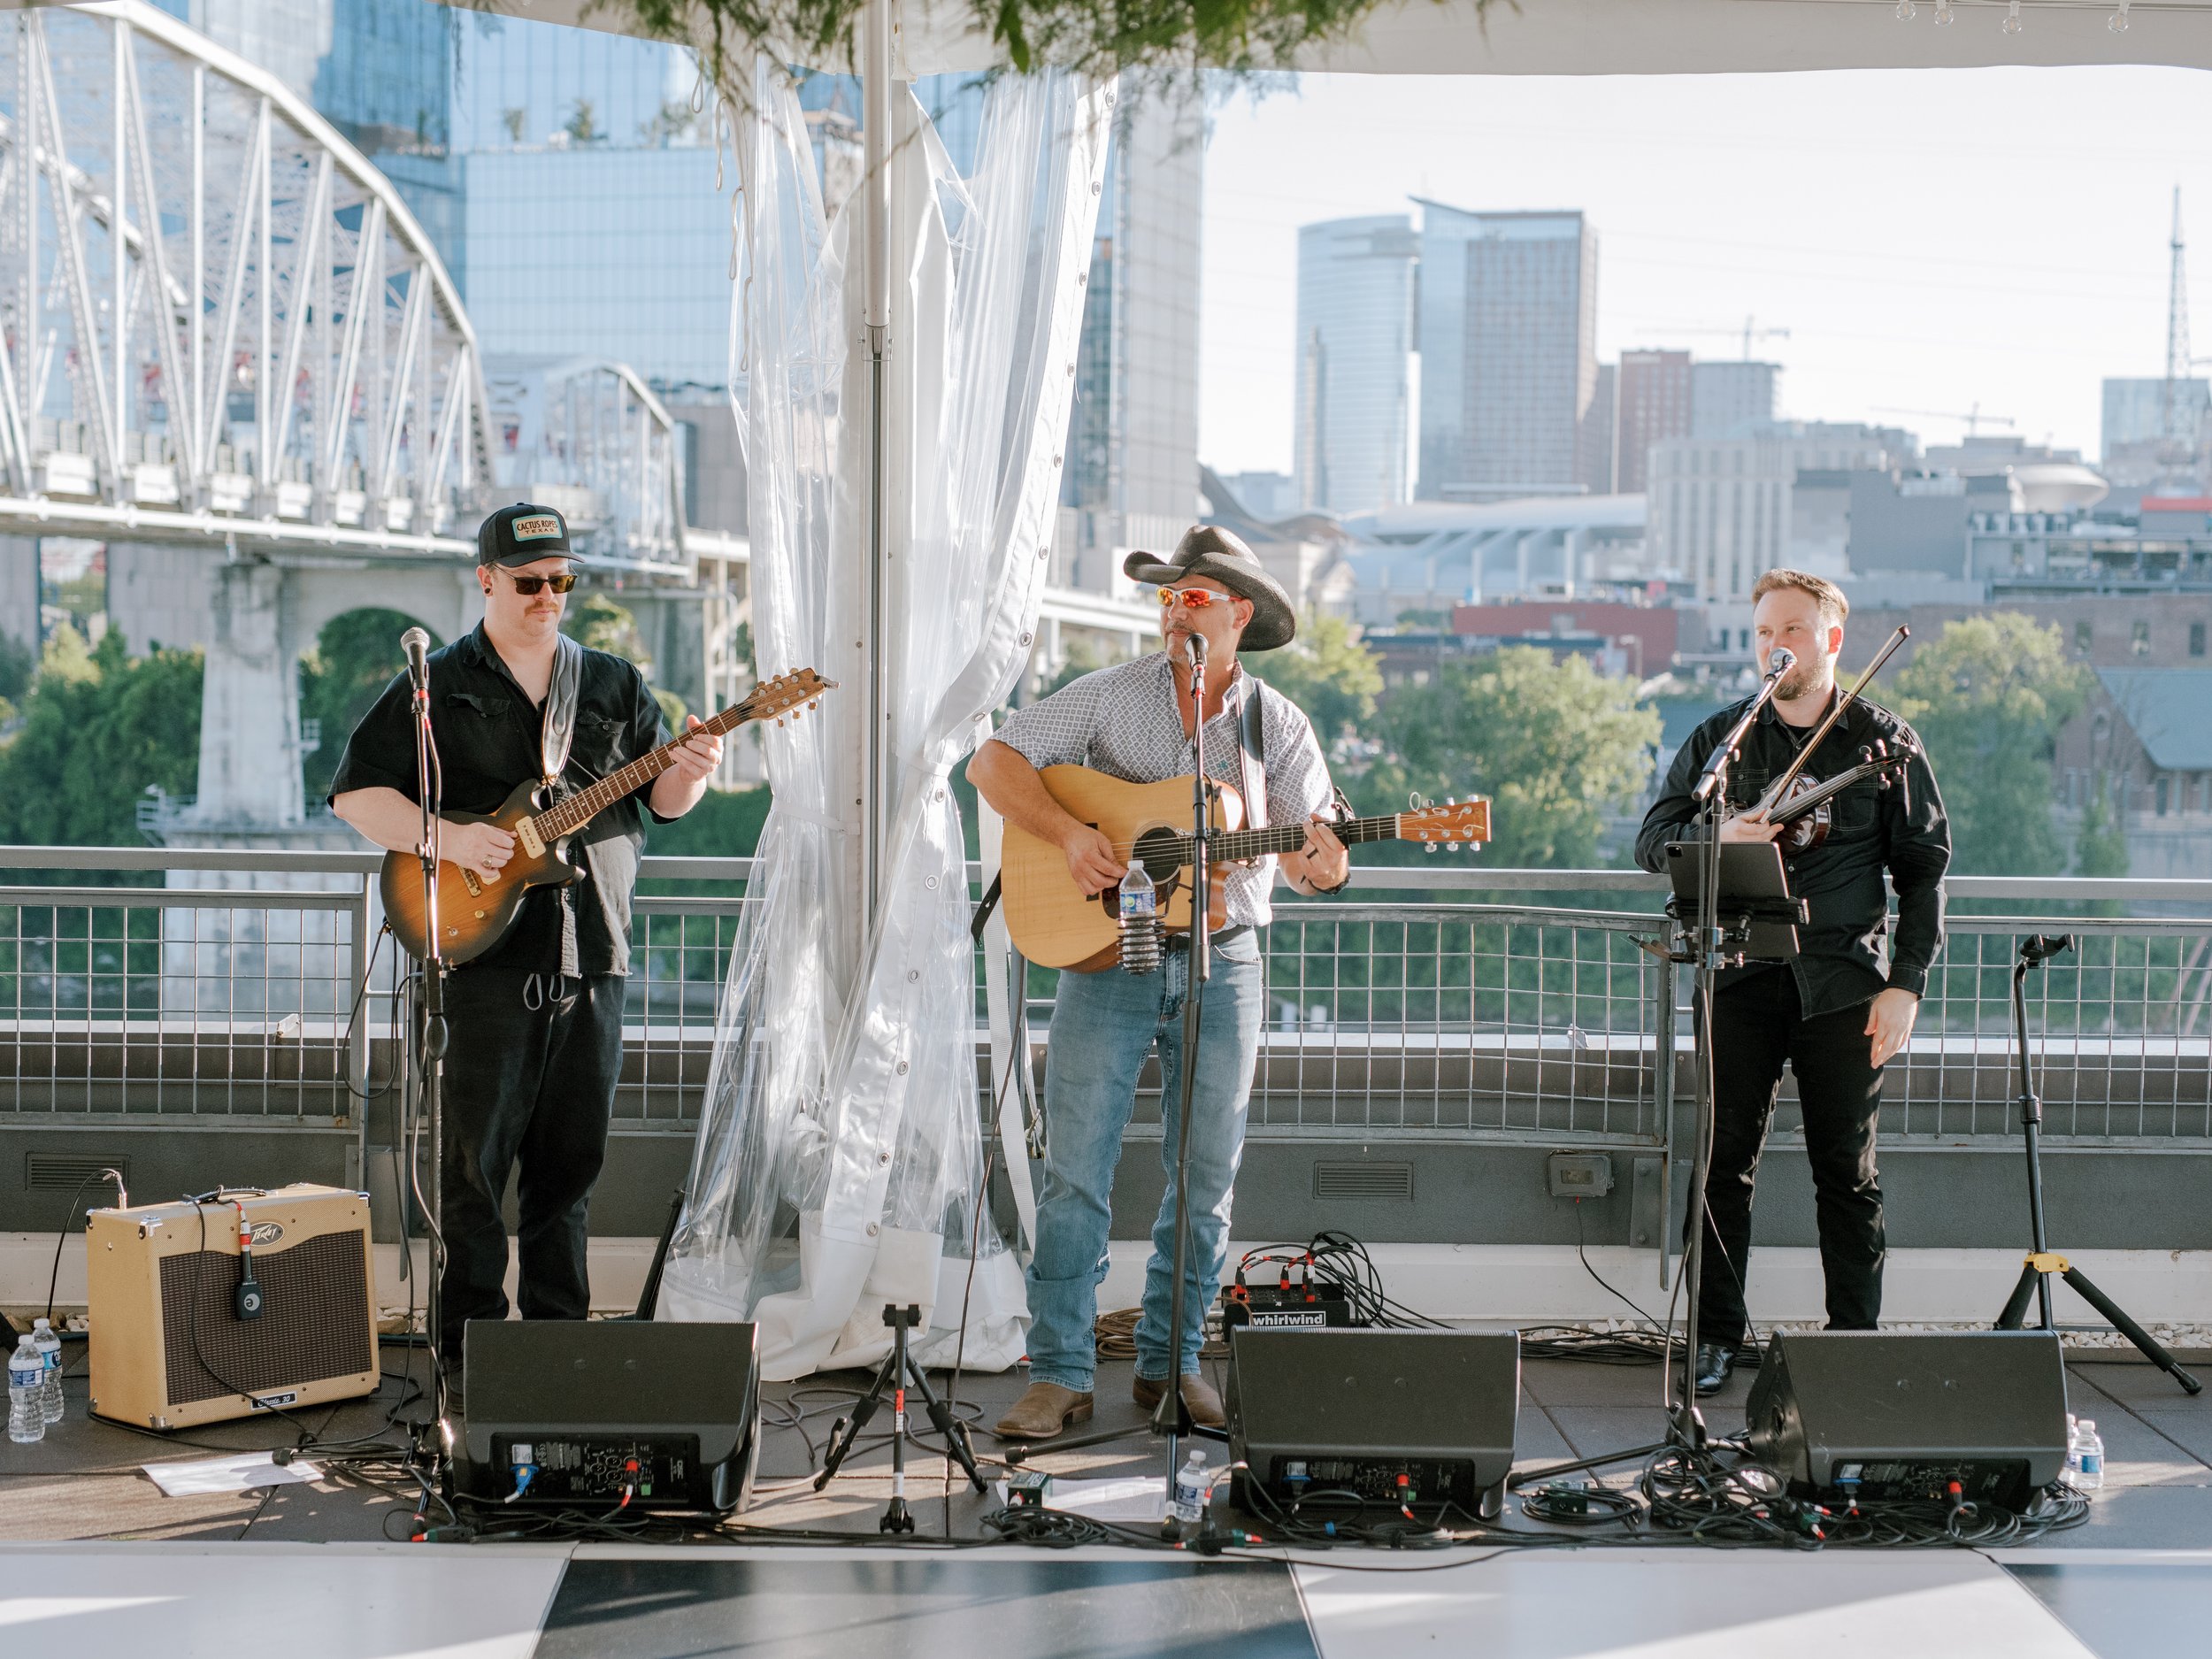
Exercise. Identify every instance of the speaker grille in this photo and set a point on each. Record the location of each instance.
(1362, 1180)
(314, 1322)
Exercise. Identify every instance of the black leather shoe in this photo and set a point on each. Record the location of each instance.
(1715, 1361)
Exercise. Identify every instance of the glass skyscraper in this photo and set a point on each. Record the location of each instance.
(1354, 342)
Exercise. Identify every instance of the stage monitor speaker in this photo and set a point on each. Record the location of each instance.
(598, 1409)
(1339, 1418)
(170, 1347)
(1865, 1414)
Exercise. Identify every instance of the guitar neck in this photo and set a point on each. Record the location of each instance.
(1235, 846)
(586, 804)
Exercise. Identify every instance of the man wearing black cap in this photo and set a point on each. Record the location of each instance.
(1133, 721)
(535, 1023)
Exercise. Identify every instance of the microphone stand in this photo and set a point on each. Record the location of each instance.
(430, 790)
(1171, 1416)
(1708, 944)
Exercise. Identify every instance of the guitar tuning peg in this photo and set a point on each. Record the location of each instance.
(1428, 847)
(1451, 800)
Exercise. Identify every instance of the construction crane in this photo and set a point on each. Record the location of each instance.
(1973, 417)
(1750, 331)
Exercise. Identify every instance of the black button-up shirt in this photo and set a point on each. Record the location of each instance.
(1901, 830)
(487, 729)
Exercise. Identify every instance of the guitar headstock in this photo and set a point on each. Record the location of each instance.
(791, 693)
(1455, 822)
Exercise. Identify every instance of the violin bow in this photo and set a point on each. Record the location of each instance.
(1780, 786)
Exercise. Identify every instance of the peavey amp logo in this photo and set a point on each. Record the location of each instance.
(265, 1234)
(1275, 1319)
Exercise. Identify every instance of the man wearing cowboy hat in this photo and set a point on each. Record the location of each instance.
(1133, 721)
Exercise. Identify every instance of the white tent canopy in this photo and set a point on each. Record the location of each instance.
(1629, 37)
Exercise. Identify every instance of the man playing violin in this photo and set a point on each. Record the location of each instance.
(1842, 1009)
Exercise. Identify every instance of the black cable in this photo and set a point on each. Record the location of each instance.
(1584, 1256)
(368, 977)
(53, 1279)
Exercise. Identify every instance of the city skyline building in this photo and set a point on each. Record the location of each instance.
(1355, 341)
(380, 71)
(1731, 399)
(2134, 424)
(1131, 478)
(1652, 405)
(1508, 336)
(1720, 511)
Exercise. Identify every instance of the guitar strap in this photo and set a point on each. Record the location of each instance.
(557, 730)
(1252, 754)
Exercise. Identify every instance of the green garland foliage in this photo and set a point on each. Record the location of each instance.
(1100, 37)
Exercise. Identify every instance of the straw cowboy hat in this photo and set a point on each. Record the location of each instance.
(1208, 550)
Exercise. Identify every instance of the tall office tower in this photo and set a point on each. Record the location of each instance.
(1131, 478)
(1730, 400)
(591, 221)
(1509, 352)
(1720, 510)
(1354, 344)
(380, 71)
(1654, 404)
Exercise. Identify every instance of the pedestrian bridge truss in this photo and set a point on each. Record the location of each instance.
(221, 323)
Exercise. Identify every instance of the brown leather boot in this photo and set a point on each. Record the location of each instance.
(1043, 1410)
(1198, 1398)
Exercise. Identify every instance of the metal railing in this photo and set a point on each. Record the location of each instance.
(247, 991)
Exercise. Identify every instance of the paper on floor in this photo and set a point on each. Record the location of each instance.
(229, 1474)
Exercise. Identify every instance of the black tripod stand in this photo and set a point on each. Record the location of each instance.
(2035, 1272)
(897, 1370)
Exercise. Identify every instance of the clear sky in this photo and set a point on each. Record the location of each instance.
(1933, 240)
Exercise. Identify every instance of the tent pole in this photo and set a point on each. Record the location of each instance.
(875, 96)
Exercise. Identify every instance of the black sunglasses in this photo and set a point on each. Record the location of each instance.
(531, 586)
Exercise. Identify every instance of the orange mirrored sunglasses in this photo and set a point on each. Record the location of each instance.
(1193, 598)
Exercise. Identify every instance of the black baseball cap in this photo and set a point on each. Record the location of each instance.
(522, 534)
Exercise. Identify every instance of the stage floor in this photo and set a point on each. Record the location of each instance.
(97, 1558)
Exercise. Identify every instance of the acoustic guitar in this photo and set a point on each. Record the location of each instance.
(1055, 926)
(474, 912)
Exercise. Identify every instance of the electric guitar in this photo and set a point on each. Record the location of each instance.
(1055, 926)
(474, 912)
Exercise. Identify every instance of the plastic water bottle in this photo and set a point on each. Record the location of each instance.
(26, 1387)
(1139, 919)
(2088, 1474)
(49, 1346)
(1192, 1483)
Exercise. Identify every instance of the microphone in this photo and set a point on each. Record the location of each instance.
(2035, 947)
(416, 643)
(1196, 643)
(1780, 660)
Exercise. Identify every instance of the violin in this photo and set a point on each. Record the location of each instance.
(1804, 813)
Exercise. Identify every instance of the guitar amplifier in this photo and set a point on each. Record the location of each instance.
(170, 1348)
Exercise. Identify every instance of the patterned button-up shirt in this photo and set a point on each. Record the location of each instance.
(1125, 720)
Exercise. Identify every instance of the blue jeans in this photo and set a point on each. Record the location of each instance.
(1102, 1027)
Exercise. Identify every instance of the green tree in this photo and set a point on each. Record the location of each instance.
(1555, 745)
(603, 625)
(99, 729)
(1988, 697)
(355, 656)
(2100, 846)
(1329, 672)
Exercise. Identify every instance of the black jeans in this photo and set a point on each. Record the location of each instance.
(530, 1071)
(1757, 1026)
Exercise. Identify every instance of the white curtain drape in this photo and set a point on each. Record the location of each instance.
(839, 1161)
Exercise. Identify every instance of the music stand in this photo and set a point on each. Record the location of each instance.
(1756, 906)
